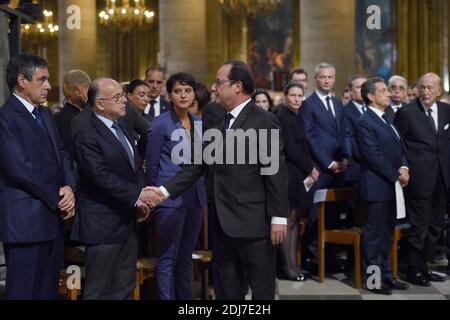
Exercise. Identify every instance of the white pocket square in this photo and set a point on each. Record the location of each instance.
(446, 126)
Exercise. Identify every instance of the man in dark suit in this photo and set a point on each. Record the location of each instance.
(154, 76)
(353, 111)
(75, 88)
(383, 163)
(329, 140)
(248, 206)
(111, 195)
(36, 183)
(398, 88)
(424, 126)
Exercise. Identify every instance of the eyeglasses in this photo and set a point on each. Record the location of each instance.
(117, 98)
(219, 82)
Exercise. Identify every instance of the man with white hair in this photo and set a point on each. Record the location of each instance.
(424, 127)
(398, 88)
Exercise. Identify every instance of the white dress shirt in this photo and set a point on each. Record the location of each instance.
(156, 106)
(235, 112)
(360, 107)
(434, 113)
(380, 114)
(323, 98)
(26, 104)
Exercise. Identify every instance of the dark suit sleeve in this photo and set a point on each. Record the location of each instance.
(299, 155)
(92, 164)
(306, 115)
(276, 184)
(369, 146)
(16, 165)
(401, 122)
(348, 136)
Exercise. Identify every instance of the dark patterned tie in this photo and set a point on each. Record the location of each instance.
(123, 142)
(430, 118)
(329, 107)
(37, 115)
(151, 112)
(226, 123)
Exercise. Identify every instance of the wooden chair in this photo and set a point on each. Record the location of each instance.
(338, 236)
(202, 259)
(145, 270)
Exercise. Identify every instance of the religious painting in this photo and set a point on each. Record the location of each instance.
(271, 46)
(374, 47)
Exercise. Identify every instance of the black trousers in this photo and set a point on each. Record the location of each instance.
(377, 234)
(239, 262)
(427, 219)
(111, 270)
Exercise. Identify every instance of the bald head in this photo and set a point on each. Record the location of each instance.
(106, 98)
(75, 87)
(429, 89)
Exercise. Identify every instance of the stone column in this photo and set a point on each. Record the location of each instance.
(327, 33)
(77, 36)
(215, 35)
(182, 37)
(4, 57)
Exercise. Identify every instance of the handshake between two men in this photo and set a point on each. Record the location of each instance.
(149, 198)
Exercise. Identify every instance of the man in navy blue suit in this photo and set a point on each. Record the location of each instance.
(383, 163)
(36, 183)
(154, 76)
(353, 111)
(330, 143)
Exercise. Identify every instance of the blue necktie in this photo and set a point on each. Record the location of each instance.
(123, 142)
(37, 115)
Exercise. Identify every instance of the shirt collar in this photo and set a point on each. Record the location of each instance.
(378, 112)
(322, 96)
(433, 107)
(25, 103)
(359, 106)
(235, 112)
(107, 122)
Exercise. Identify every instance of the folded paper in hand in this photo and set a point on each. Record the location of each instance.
(400, 200)
(308, 183)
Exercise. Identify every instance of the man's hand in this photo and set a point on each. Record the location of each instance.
(315, 174)
(152, 196)
(278, 233)
(403, 177)
(67, 203)
(142, 211)
(334, 167)
(65, 215)
(344, 164)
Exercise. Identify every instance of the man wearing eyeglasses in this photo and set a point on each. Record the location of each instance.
(154, 76)
(111, 195)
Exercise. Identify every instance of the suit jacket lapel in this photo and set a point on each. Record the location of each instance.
(31, 123)
(422, 117)
(323, 109)
(384, 125)
(52, 134)
(109, 136)
(242, 116)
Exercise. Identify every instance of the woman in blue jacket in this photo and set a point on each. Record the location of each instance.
(178, 221)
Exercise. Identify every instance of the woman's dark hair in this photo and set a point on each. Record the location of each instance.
(292, 84)
(264, 92)
(134, 84)
(202, 95)
(183, 78)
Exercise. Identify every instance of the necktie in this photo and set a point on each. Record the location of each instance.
(151, 112)
(386, 118)
(329, 106)
(37, 115)
(226, 123)
(123, 142)
(430, 118)
(364, 109)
